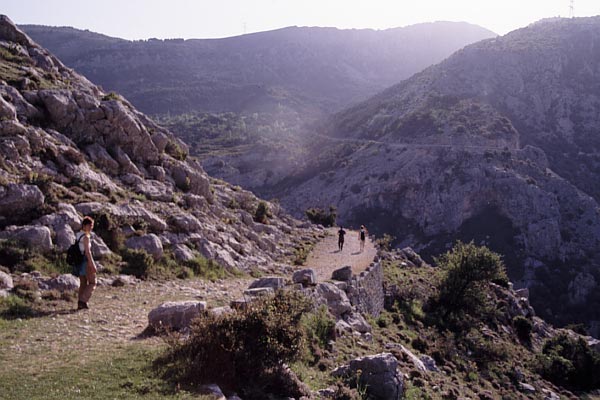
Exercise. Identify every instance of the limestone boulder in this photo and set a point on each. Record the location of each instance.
(34, 236)
(7, 110)
(176, 315)
(183, 253)
(184, 223)
(151, 244)
(6, 281)
(274, 282)
(62, 283)
(306, 277)
(18, 199)
(357, 322)
(342, 274)
(335, 299)
(379, 375)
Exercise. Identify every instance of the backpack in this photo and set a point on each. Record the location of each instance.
(74, 256)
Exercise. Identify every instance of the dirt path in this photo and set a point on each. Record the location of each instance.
(325, 257)
(119, 314)
(117, 317)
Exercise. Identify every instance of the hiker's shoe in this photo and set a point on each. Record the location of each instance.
(82, 305)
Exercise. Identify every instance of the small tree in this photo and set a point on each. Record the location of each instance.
(469, 270)
(262, 213)
(320, 216)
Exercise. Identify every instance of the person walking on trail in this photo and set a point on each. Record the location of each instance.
(341, 234)
(87, 268)
(362, 236)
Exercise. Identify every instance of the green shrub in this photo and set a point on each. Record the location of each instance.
(523, 327)
(13, 307)
(570, 362)
(469, 270)
(206, 269)
(138, 263)
(319, 216)
(385, 242)
(320, 326)
(262, 213)
(242, 351)
(111, 96)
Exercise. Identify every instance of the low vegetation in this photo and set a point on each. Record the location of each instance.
(244, 351)
(322, 217)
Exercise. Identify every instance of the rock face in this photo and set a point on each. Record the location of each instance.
(6, 281)
(379, 376)
(452, 154)
(335, 299)
(69, 150)
(305, 277)
(175, 315)
(36, 237)
(151, 244)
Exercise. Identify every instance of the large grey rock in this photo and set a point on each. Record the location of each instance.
(212, 390)
(64, 238)
(7, 110)
(274, 282)
(412, 256)
(17, 199)
(379, 376)
(357, 322)
(259, 291)
(63, 283)
(10, 33)
(6, 281)
(305, 277)
(35, 236)
(175, 315)
(100, 250)
(151, 244)
(184, 223)
(342, 274)
(335, 299)
(183, 253)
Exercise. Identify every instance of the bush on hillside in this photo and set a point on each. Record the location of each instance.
(262, 213)
(243, 351)
(570, 362)
(523, 327)
(320, 216)
(138, 263)
(469, 270)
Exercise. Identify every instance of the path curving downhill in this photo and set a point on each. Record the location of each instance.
(325, 257)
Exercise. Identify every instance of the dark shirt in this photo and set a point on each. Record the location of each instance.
(341, 234)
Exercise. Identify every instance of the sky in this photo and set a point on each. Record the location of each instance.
(143, 19)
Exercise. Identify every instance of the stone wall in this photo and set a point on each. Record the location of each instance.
(365, 290)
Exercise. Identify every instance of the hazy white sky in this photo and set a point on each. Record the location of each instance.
(142, 19)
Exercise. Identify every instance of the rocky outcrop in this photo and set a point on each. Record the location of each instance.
(377, 374)
(6, 281)
(70, 150)
(151, 244)
(38, 238)
(175, 315)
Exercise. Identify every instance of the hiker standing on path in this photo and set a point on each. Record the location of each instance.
(362, 236)
(87, 269)
(341, 234)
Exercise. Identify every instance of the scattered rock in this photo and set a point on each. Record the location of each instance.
(522, 293)
(218, 311)
(125, 280)
(4, 293)
(263, 291)
(62, 283)
(357, 322)
(306, 277)
(17, 199)
(408, 354)
(335, 299)
(342, 274)
(149, 243)
(526, 388)
(35, 236)
(212, 390)
(274, 282)
(183, 253)
(412, 256)
(379, 375)
(429, 363)
(175, 315)
(6, 281)
(550, 395)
